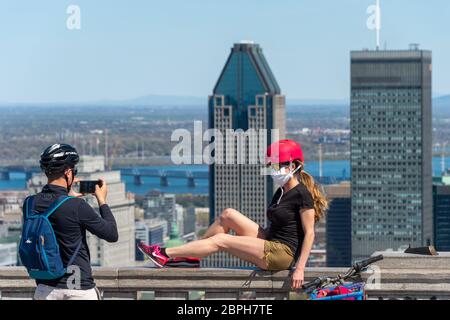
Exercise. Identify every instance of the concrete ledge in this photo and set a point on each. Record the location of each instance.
(400, 276)
(397, 260)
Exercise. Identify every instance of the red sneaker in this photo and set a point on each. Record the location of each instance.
(154, 254)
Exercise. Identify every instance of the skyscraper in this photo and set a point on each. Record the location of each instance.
(391, 150)
(339, 225)
(246, 96)
(122, 252)
(441, 209)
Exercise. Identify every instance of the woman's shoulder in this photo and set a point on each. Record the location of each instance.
(305, 199)
(302, 190)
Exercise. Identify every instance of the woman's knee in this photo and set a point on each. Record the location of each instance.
(228, 215)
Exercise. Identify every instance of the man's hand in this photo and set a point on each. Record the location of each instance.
(298, 278)
(72, 192)
(101, 192)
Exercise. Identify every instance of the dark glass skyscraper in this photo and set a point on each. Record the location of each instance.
(391, 150)
(441, 211)
(245, 97)
(339, 225)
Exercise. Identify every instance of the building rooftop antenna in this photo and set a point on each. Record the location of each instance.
(414, 46)
(378, 24)
(374, 21)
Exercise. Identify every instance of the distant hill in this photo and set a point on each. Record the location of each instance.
(318, 102)
(339, 108)
(162, 100)
(155, 100)
(441, 106)
(319, 107)
(144, 101)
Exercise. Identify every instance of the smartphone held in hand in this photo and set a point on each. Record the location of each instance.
(88, 186)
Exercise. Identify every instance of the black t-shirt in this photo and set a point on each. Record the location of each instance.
(285, 222)
(70, 222)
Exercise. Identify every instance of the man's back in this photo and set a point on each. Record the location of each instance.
(70, 222)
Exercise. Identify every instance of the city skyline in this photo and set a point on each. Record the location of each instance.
(218, 150)
(48, 63)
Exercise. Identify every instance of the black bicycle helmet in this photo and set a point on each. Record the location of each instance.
(58, 157)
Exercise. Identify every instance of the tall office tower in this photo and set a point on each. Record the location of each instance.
(122, 252)
(391, 150)
(246, 96)
(441, 212)
(339, 225)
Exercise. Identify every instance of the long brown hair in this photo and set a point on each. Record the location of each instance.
(319, 199)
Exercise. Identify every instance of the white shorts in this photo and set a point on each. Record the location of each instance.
(44, 292)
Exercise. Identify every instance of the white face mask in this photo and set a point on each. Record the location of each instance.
(281, 177)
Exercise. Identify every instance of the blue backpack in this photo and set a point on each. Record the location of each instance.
(38, 249)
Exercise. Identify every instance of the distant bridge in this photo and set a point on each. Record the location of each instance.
(5, 171)
(164, 175)
(191, 176)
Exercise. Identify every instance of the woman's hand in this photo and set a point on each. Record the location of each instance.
(298, 278)
(72, 192)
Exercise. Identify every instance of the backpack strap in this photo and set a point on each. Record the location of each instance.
(55, 205)
(75, 253)
(28, 207)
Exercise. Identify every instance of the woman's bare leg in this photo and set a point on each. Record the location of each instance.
(231, 219)
(215, 228)
(244, 247)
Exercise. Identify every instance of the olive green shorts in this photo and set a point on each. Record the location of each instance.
(277, 255)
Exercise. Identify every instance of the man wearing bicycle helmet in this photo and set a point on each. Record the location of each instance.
(295, 207)
(70, 221)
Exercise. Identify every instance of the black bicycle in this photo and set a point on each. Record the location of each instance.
(349, 286)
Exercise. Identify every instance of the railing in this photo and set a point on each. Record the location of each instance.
(401, 277)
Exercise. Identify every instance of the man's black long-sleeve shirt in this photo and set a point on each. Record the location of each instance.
(70, 222)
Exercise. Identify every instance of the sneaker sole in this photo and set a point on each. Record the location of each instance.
(151, 258)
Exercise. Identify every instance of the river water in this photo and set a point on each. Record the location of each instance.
(335, 168)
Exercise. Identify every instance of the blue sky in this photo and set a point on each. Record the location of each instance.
(127, 49)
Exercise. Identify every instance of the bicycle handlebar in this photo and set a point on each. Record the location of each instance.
(315, 283)
(357, 268)
(363, 264)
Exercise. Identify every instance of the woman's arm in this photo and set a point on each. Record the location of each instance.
(307, 218)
